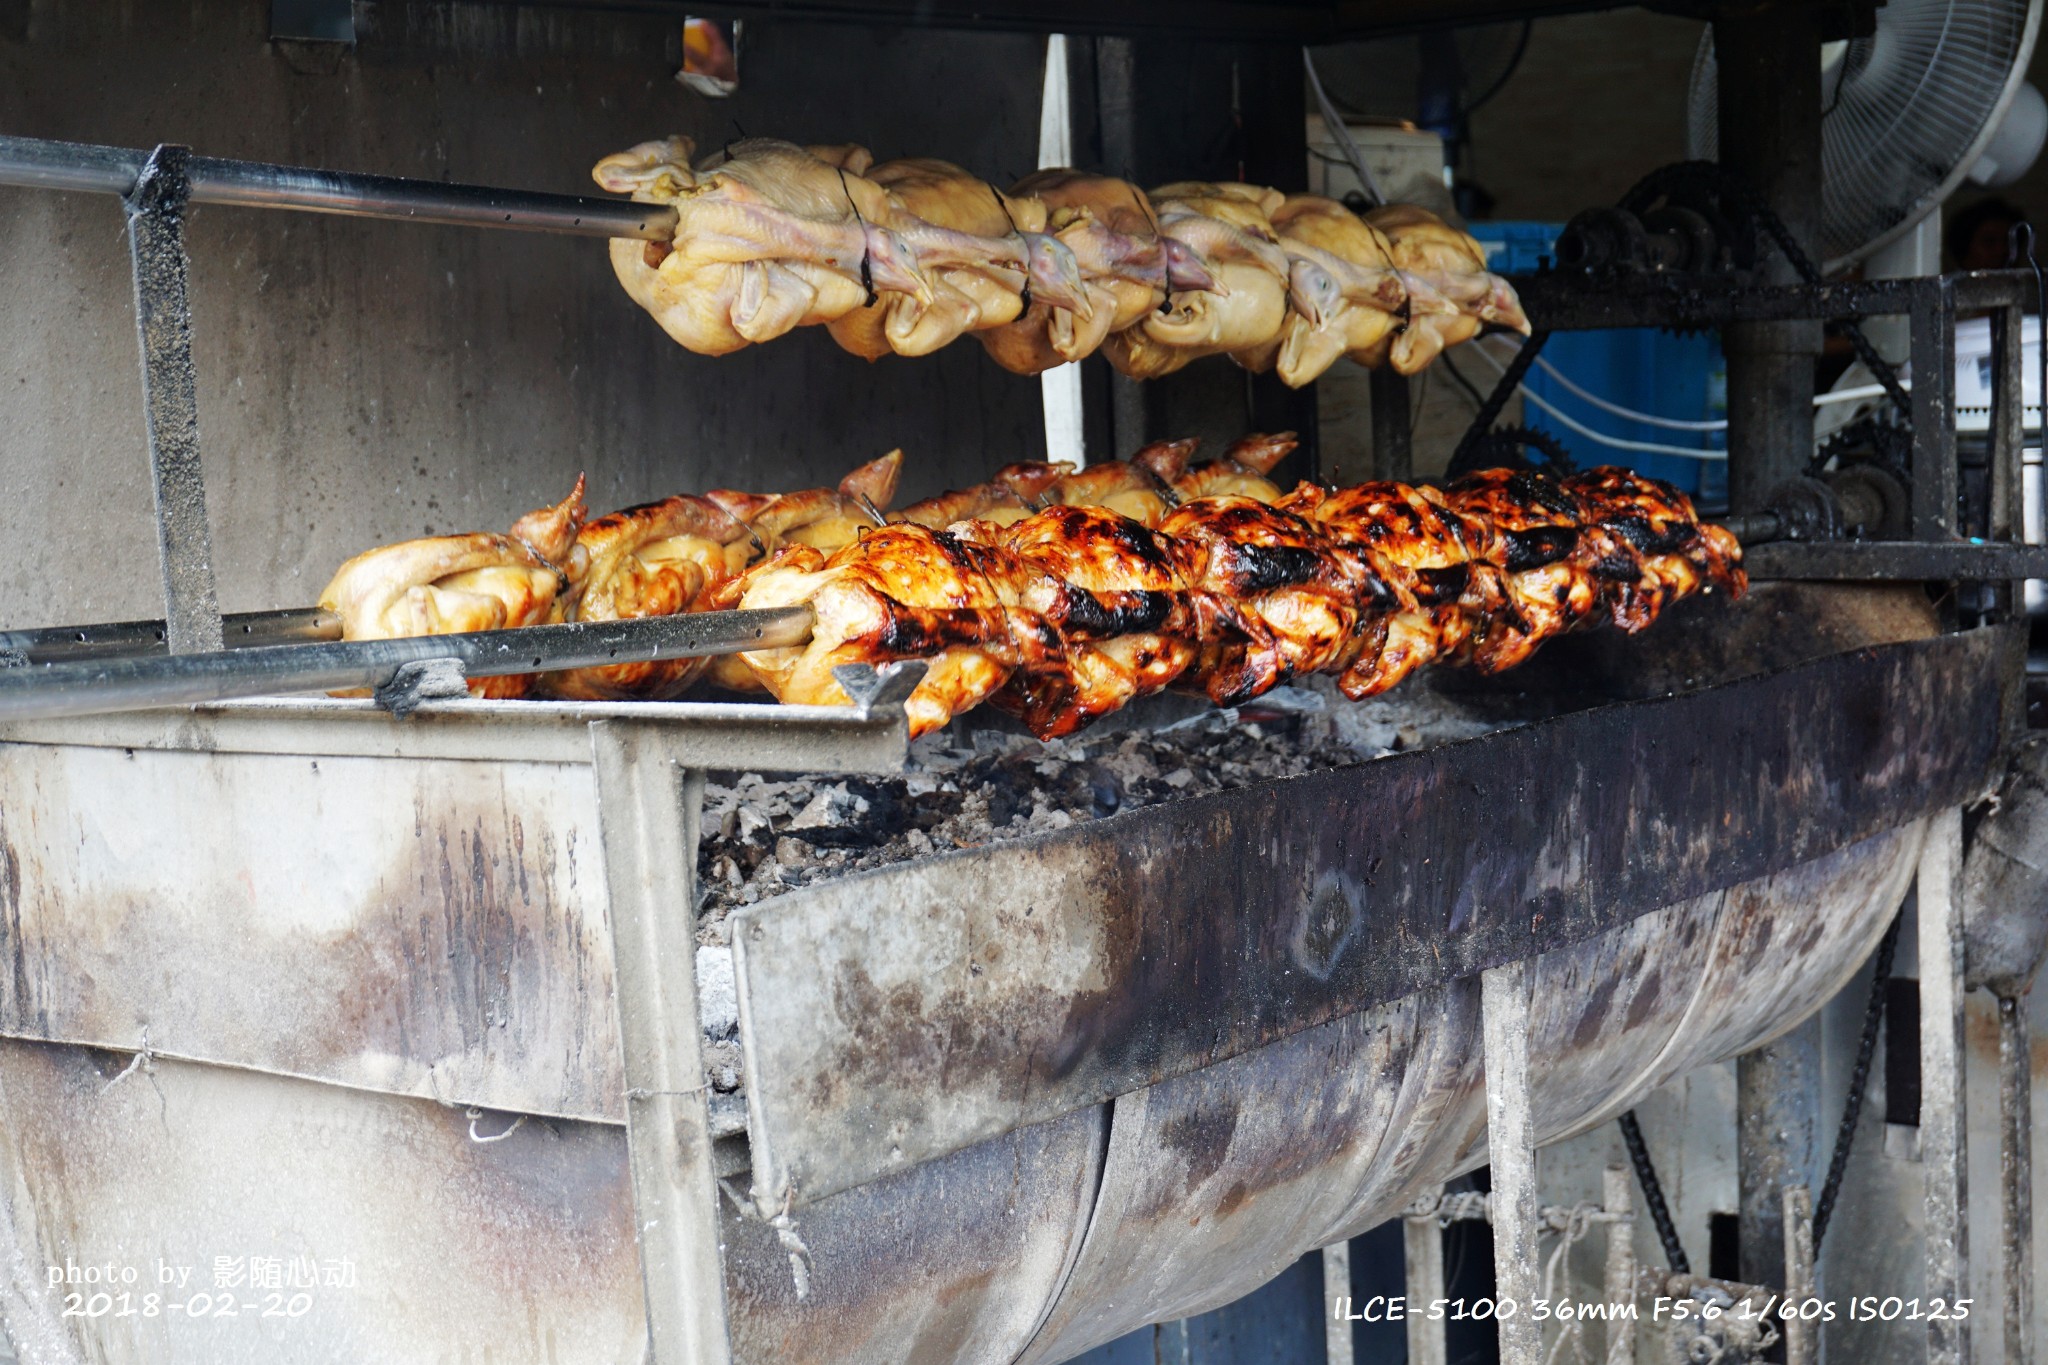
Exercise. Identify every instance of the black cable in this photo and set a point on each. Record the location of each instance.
(1521, 47)
(1458, 377)
(1859, 1081)
(1653, 1194)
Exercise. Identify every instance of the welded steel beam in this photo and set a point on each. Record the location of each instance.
(1768, 59)
(1777, 1123)
(156, 199)
(2016, 1176)
(1511, 1156)
(97, 686)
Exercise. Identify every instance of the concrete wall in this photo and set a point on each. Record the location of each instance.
(363, 381)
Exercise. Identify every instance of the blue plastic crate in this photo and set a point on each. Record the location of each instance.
(1681, 377)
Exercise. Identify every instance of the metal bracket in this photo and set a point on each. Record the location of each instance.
(163, 319)
(423, 680)
(873, 689)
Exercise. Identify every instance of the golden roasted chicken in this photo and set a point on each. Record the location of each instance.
(449, 585)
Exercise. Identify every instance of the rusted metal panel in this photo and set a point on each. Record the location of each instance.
(896, 1015)
(1217, 1179)
(448, 1248)
(424, 928)
(955, 1260)
(518, 1249)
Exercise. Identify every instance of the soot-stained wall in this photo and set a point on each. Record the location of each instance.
(365, 381)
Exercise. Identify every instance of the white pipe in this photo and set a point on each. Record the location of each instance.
(1060, 387)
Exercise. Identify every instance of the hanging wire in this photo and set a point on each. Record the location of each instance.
(1515, 61)
(1334, 122)
(1601, 437)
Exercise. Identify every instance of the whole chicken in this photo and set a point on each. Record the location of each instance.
(1115, 593)
(967, 296)
(768, 238)
(447, 585)
(657, 559)
(1453, 264)
(1240, 472)
(1127, 269)
(1225, 225)
(1348, 297)
(901, 592)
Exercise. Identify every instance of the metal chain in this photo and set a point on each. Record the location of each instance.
(1859, 1081)
(1653, 1194)
(1730, 185)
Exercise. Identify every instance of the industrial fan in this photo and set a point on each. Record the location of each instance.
(1934, 95)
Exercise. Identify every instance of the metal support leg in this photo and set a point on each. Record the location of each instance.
(1802, 1344)
(1942, 1122)
(163, 318)
(1777, 1098)
(1770, 134)
(650, 807)
(1511, 1151)
(1422, 1241)
(1393, 455)
(2016, 1175)
(1617, 1194)
(1337, 1345)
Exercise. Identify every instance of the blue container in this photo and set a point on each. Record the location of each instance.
(1644, 370)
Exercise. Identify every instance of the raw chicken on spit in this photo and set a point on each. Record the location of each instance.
(1348, 298)
(1127, 269)
(448, 585)
(1453, 265)
(1226, 227)
(968, 295)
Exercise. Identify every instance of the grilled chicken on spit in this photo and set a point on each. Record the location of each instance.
(1140, 488)
(1242, 471)
(821, 519)
(1015, 493)
(901, 592)
(658, 559)
(1114, 592)
(1272, 597)
(968, 296)
(1127, 269)
(1434, 568)
(448, 585)
(1452, 264)
(1226, 227)
(1652, 524)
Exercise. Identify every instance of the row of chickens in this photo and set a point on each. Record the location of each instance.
(907, 256)
(1060, 595)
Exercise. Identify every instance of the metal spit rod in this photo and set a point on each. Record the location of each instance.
(92, 169)
(40, 691)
